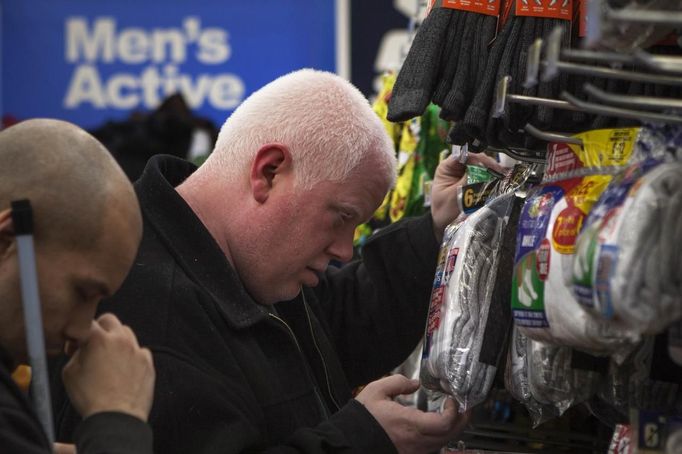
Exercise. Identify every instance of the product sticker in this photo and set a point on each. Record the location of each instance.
(447, 258)
(474, 196)
(531, 264)
(608, 147)
(580, 200)
(651, 427)
(550, 9)
(606, 268)
(544, 253)
(477, 174)
(621, 442)
(583, 268)
(562, 159)
(601, 148)
(488, 7)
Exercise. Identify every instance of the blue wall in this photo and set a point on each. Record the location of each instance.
(88, 61)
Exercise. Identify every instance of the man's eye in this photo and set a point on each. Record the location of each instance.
(82, 294)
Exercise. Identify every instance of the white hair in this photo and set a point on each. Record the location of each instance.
(325, 122)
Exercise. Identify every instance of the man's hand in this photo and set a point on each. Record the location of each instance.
(449, 176)
(410, 430)
(110, 372)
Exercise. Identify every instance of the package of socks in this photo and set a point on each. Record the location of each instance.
(638, 384)
(628, 267)
(467, 327)
(553, 378)
(516, 380)
(543, 303)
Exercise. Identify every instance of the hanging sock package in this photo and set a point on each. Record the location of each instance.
(517, 381)
(466, 331)
(542, 298)
(628, 266)
(445, 267)
(646, 380)
(554, 378)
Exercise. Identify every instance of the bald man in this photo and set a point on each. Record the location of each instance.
(87, 227)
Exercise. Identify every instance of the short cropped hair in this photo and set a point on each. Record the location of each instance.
(68, 176)
(325, 122)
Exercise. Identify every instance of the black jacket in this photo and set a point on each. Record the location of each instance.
(21, 432)
(232, 377)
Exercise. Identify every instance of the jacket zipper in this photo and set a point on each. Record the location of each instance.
(320, 402)
(324, 364)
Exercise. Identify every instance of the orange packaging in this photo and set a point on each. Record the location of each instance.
(488, 7)
(582, 18)
(549, 9)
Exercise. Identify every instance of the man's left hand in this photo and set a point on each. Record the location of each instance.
(450, 175)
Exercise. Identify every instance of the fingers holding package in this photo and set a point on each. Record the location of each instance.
(110, 372)
(410, 430)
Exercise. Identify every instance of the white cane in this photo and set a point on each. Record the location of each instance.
(22, 218)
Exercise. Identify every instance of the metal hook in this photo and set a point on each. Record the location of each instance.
(551, 136)
(637, 102)
(502, 97)
(522, 154)
(599, 12)
(639, 115)
(641, 16)
(608, 73)
(533, 66)
(552, 55)
(668, 64)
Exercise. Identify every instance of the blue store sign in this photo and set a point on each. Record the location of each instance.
(89, 61)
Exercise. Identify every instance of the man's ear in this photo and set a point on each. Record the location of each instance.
(272, 162)
(6, 231)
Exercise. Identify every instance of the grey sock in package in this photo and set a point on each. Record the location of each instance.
(638, 384)
(516, 379)
(553, 380)
(627, 268)
(461, 307)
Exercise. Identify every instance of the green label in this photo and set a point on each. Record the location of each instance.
(528, 294)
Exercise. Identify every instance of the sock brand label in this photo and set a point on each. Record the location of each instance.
(488, 7)
(549, 9)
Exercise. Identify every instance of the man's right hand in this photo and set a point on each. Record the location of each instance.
(410, 430)
(110, 372)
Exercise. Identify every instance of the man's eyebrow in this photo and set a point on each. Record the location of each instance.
(98, 285)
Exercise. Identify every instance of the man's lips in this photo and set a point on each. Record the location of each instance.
(316, 273)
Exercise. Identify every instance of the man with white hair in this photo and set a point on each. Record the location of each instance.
(256, 340)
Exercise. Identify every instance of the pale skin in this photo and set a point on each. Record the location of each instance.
(267, 197)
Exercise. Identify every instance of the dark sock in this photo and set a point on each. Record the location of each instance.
(417, 77)
(477, 115)
(458, 134)
(448, 64)
(453, 103)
